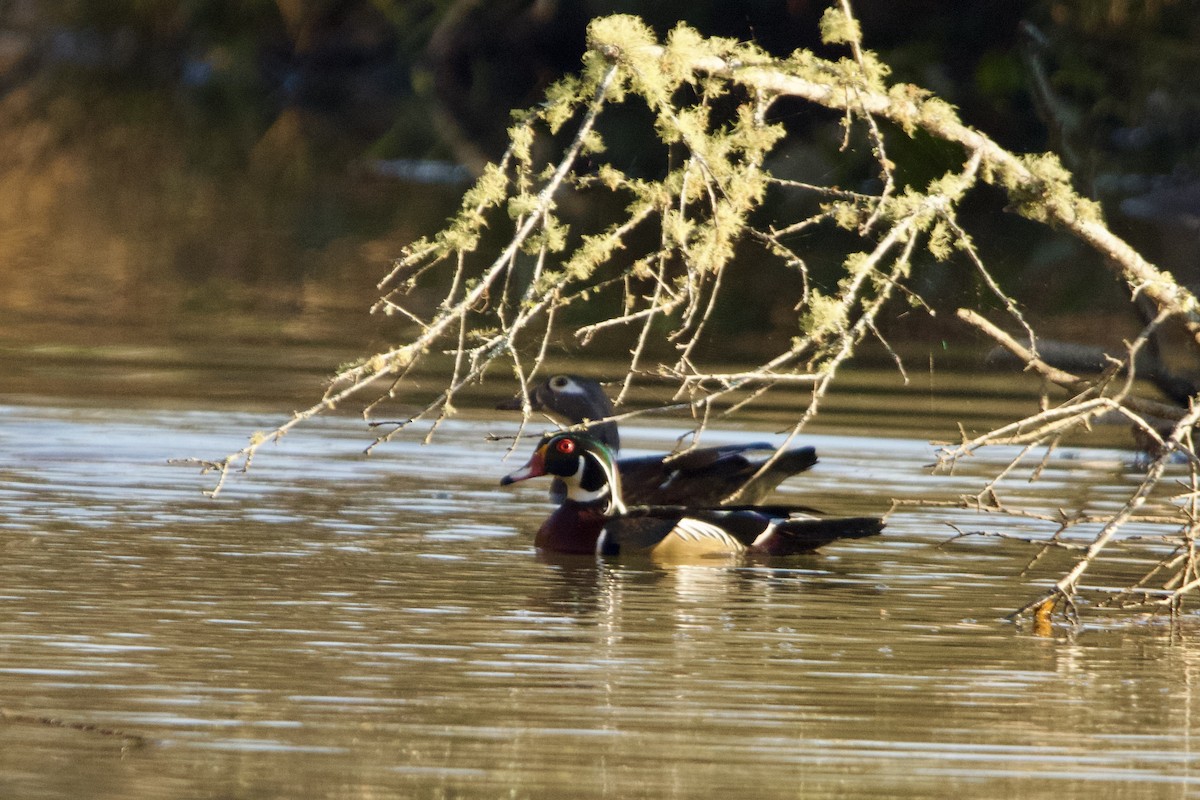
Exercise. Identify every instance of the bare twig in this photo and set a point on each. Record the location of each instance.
(1065, 587)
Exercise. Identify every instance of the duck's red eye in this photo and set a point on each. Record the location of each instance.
(565, 446)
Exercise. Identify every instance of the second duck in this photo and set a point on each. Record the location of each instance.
(703, 476)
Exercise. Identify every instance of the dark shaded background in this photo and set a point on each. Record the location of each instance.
(246, 171)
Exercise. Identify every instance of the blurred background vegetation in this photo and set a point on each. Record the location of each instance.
(196, 170)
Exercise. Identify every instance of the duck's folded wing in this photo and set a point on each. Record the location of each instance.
(702, 458)
(707, 475)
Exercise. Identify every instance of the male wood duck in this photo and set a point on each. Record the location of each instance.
(704, 476)
(594, 518)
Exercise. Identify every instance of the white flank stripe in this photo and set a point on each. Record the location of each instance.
(697, 529)
(762, 536)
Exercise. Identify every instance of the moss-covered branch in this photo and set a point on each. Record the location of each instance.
(1040, 187)
(667, 248)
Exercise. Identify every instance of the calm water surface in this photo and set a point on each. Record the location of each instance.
(343, 626)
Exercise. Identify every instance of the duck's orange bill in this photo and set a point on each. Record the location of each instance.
(535, 467)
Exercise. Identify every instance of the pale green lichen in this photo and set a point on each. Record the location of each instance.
(839, 28)
(627, 41)
(521, 205)
(551, 237)
(951, 186)
(611, 177)
(685, 46)
(941, 242)
(592, 143)
(616, 35)
(822, 315)
(857, 263)
(520, 139)
(677, 228)
(1045, 194)
(846, 214)
(934, 113)
(489, 190)
(593, 250)
(560, 105)
(906, 101)
(756, 138)
(460, 236)
(874, 72)
(390, 362)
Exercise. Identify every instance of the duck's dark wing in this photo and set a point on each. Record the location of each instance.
(707, 475)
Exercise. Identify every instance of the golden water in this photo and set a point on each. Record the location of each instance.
(343, 626)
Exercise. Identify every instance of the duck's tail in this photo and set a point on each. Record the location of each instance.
(787, 537)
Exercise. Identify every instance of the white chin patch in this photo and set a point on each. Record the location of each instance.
(578, 493)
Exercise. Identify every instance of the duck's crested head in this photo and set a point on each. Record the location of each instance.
(586, 467)
(572, 390)
(572, 399)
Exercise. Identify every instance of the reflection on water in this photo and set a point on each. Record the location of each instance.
(337, 625)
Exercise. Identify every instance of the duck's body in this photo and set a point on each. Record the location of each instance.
(703, 476)
(594, 518)
(581, 528)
